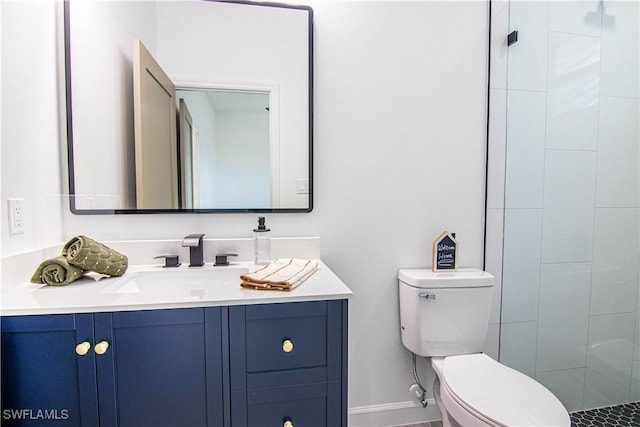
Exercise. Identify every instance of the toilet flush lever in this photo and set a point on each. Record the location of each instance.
(427, 295)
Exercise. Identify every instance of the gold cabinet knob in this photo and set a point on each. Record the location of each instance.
(288, 423)
(83, 348)
(101, 347)
(287, 347)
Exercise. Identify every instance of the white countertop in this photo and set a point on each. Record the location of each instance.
(94, 293)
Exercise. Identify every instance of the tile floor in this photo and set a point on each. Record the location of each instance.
(626, 415)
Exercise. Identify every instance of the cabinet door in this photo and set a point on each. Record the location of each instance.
(161, 368)
(44, 380)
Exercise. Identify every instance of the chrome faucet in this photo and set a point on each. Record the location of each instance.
(196, 249)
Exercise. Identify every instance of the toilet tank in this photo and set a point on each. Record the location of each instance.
(444, 313)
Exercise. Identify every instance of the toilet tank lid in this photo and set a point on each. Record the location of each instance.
(460, 278)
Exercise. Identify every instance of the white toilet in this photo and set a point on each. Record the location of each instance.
(444, 316)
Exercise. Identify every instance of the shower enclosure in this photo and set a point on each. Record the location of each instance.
(563, 201)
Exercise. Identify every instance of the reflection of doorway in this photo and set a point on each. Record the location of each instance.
(239, 143)
(156, 154)
(186, 156)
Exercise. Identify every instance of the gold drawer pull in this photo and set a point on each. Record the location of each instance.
(287, 347)
(101, 347)
(288, 423)
(83, 348)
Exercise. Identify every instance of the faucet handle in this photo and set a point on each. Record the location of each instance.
(221, 259)
(192, 240)
(169, 260)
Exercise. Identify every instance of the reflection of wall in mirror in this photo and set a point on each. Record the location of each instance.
(104, 31)
(234, 142)
(242, 150)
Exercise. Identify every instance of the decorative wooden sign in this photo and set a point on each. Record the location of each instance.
(444, 255)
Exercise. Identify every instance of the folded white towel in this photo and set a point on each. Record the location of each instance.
(282, 274)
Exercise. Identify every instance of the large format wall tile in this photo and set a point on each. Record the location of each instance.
(499, 49)
(518, 346)
(521, 265)
(563, 316)
(618, 153)
(620, 51)
(497, 149)
(568, 386)
(573, 85)
(492, 345)
(615, 261)
(528, 57)
(569, 195)
(525, 149)
(609, 359)
(493, 258)
(570, 278)
(634, 391)
(636, 340)
(575, 17)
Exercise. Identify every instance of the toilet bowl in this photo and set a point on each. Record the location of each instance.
(475, 390)
(444, 316)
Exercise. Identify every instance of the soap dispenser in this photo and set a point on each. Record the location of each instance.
(262, 243)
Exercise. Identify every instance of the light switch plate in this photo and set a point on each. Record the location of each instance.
(302, 186)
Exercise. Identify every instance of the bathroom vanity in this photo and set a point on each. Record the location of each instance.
(211, 354)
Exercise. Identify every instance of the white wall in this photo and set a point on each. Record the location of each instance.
(400, 123)
(400, 139)
(31, 154)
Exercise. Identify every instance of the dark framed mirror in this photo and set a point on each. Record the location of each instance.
(189, 106)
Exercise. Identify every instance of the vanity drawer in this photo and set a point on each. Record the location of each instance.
(286, 336)
(298, 412)
(305, 405)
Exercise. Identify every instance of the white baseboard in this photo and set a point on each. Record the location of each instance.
(393, 414)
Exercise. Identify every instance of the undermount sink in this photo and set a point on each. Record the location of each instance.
(179, 280)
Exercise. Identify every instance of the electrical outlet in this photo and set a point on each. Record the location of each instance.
(16, 216)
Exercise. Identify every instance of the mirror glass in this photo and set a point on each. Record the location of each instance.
(188, 106)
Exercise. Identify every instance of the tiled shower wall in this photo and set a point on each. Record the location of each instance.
(565, 100)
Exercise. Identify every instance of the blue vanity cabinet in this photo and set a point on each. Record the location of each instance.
(44, 380)
(288, 364)
(156, 367)
(278, 364)
(162, 367)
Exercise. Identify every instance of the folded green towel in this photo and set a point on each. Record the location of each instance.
(88, 254)
(56, 271)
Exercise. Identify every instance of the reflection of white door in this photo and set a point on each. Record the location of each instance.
(195, 168)
(186, 155)
(155, 133)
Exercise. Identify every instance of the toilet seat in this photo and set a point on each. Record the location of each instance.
(495, 394)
